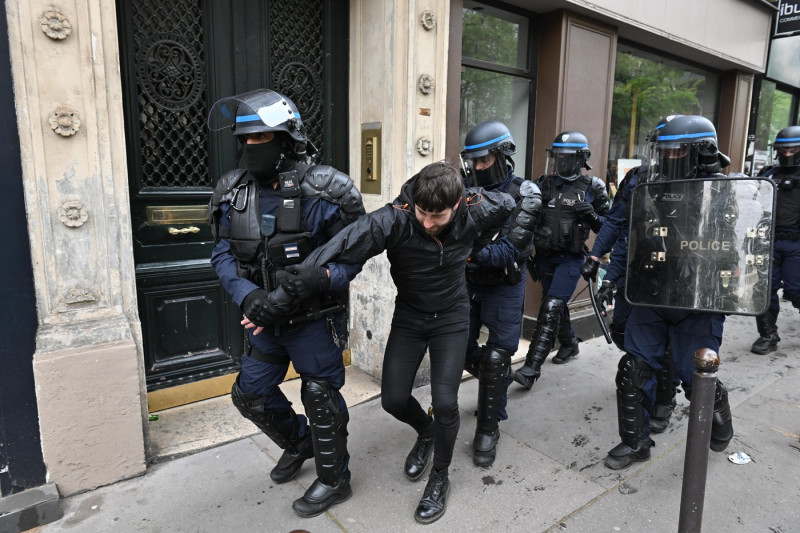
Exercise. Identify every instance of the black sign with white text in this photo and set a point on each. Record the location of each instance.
(788, 19)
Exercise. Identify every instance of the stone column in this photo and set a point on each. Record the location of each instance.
(87, 364)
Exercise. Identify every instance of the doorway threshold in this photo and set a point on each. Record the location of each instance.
(195, 427)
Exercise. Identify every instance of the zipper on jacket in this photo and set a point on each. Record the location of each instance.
(441, 250)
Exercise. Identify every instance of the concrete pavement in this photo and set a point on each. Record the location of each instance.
(549, 473)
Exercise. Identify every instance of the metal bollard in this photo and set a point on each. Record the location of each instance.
(695, 464)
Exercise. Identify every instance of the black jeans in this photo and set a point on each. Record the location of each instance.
(445, 335)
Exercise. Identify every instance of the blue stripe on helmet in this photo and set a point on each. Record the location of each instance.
(686, 136)
(248, 118)
(572, 145)
(786, 139)
(497, 139)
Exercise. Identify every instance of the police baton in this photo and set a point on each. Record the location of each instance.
(698, 439)
(596, 309)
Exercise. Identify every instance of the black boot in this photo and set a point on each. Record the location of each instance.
(279, 425)
(768, 334)
(292, 459)
(722, 424)
(632, 375)
(568, 344)
(328, 422)
(542, 342)
(495, 365)
(764, 345)
(419, 457)
(665, 395)
(320, 496)
(622, 455)
(434, 500)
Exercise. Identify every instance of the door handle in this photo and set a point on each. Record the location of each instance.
(183, 231)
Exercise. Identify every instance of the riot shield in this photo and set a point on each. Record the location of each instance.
(701, 244)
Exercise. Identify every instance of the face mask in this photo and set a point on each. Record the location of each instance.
(492, 175)
(262, 160)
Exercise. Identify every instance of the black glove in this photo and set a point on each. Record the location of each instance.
(257, 308)
(589, 269)
(531, 266)
(264, 308)
(605, 295)
(305, 282)
(583, 209)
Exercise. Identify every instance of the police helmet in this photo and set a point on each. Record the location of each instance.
(787, 138)
(490, 137)
(686, 146)
(262, 110)
(569, 153)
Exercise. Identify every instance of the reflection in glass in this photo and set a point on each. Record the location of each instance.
(494, 35)
(489, 95)
(648, 87)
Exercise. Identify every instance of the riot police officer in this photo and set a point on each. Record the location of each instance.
(496, 279)
(786, 251)
(685, 148)
(613, 237)
(266, 216)
(573, 204)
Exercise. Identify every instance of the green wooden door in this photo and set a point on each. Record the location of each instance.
(179, 57)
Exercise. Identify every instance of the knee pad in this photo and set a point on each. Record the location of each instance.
(632, 373)
(278, 425)
(321, 399)
(494, 361)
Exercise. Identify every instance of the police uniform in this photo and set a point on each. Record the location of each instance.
(496, 280)
(573, 204)
(266, 217)
(651, 331)
(786, 250)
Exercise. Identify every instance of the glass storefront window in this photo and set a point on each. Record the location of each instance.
(496, 78)
(648, 87)
(774, 114)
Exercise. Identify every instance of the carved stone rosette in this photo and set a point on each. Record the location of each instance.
(55, 25)
(428, 19)
(64, 121)
(424, 146)
(425, 84)
(72, 214)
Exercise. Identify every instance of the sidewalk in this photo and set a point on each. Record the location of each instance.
(549, 473)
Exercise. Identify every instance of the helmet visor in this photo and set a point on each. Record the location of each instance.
(258, 110)
(564, 164)
(674, 160)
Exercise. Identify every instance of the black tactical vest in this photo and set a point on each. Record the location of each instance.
(561, 229)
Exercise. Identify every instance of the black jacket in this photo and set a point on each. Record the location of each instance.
(427, 271)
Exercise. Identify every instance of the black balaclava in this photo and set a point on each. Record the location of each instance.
(495, 174)
(263, 160)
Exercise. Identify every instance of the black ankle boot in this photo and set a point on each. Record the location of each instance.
(527, 375)
(722, 422)
(291, 461)
(623, 455)
(320, 496)
(484, 447)
(764, 345)
(434, 500)
(659, 419)
(566, 352)
(419, 457)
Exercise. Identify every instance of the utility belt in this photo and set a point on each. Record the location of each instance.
(493, 276)
(570, 236)
(787, 235)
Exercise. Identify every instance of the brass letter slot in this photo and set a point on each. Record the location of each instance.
(164, 215)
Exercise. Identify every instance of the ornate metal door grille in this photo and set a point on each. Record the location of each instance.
(170, 84)
(296, 30)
